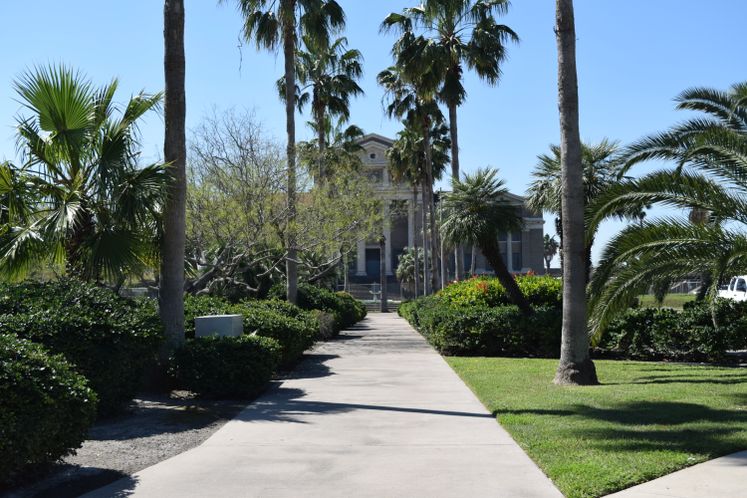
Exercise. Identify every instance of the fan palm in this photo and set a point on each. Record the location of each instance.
(80, 198)
(602, 167)
(274, 23)
(710, 176)
(463, 33)
(327, 77)
(407, 164)
(550, 249)
(411, 99)
(476, 213)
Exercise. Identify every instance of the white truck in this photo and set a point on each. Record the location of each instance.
(736, 290)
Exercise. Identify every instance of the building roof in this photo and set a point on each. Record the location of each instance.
(375, 137)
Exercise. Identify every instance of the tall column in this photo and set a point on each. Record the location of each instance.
(361, 260)
(509, 252)
(388, 236)
(410, 224)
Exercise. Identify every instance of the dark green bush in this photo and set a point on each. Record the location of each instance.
(226, 367)
(687, 335)
(295, 335)
(47, 407)
(295, 329)
(483, 330)
(110, 340)
(346, 309)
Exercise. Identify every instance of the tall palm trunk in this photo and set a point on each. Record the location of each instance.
(492, 253)
(321, 136)
(424, 225)
(431, 207)
(289, 53)
(171, 278)
(415, 240)
(575, 365)
(453, 130)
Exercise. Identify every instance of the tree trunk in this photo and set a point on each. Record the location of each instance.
(492, 253)
(424, 217)
(382, 274)
(321, 138)
(453, 130)
(289, 53)
(473, 263)
(431, 207)
(171, 285)
(575, 367)
(415, 240)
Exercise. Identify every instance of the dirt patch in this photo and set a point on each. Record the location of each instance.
(154, 429)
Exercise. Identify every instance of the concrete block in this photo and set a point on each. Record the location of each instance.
(220, 325)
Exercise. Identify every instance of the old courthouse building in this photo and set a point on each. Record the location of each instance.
(521, 250)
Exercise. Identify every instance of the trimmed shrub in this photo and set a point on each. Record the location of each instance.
(109, 339)
(295, 329)
(497, 331)
(47, 407)
(488, 291)
(687, 335)
(226, 367)
(346, 309)
(295, 335)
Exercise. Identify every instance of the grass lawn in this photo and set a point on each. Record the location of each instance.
(646, 420)
(670, 300)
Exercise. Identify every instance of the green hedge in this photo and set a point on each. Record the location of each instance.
(345, 308)
(109, 339)
(46, 407)
(483, 330)
(687, 335)
(488, 291)
(226, 367)
(295, 329)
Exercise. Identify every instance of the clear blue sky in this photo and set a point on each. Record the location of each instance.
(634, 56)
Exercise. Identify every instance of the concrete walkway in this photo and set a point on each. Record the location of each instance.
(375, 413)
(724, 477)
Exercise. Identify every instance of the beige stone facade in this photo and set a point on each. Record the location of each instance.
(402, 224)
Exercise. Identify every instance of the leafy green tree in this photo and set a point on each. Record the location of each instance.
(709, 183)
(327, 79)
(271, 24)
(464, 33)
(171, 276)
(602, 167)
(80, 199)
(575, 366)
(476, 213)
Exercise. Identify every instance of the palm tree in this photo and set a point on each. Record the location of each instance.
(407, 163)
(80, 199)
(709, 183)
(602, 167)
(410, 99)
(171, 276)
(550, 246)
(327, 77)
(463, 33)
(575, 365)
(476, 213)
(270, 24)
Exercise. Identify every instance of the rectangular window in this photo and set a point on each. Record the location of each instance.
(516, 261)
